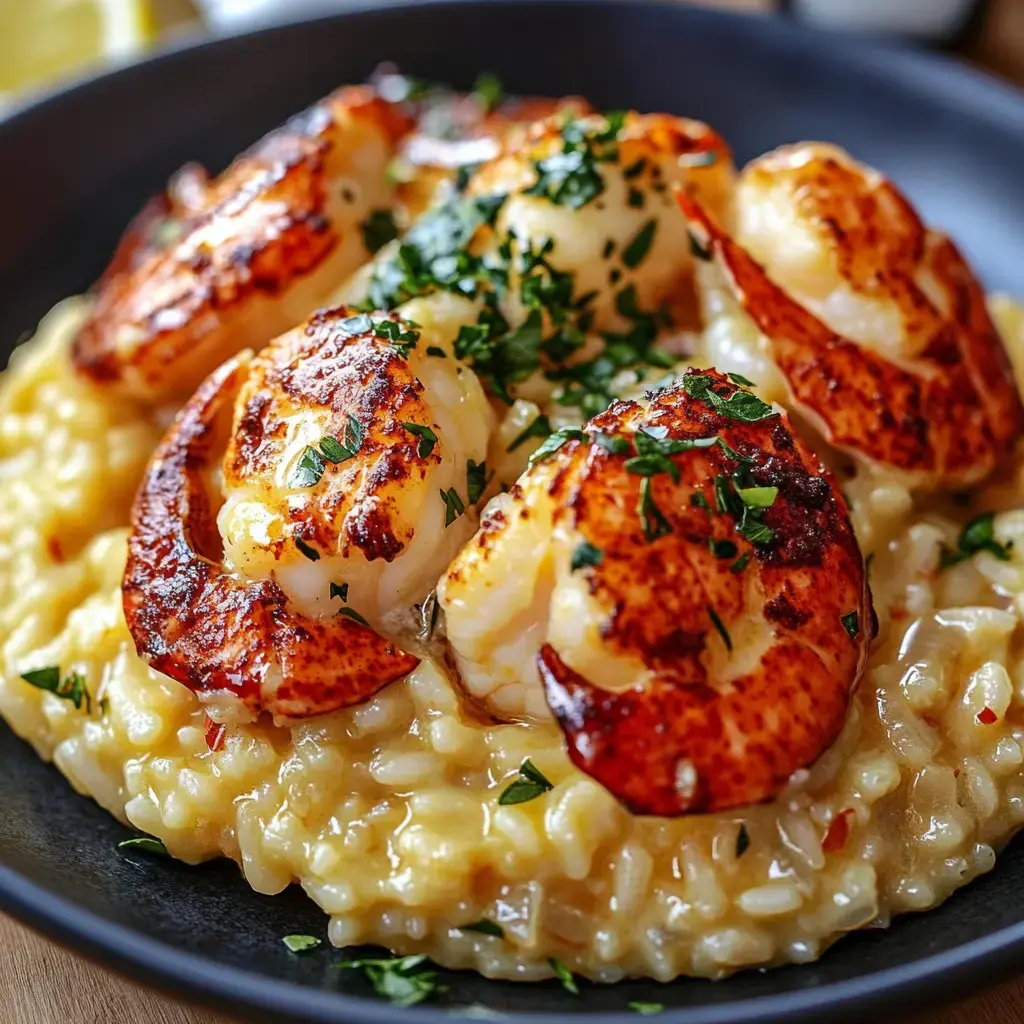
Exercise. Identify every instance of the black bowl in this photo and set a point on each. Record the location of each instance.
(75, 167)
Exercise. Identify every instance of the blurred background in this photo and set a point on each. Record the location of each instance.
(44, 42)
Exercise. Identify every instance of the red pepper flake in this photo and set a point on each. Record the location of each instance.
(214, 734)
(956, 773)
(986, 716)
(54, 548)
(838, 832)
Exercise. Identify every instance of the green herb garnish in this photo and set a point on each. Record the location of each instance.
(336, 451)
(476, 480)
(851, 623)
(351, 613)
(645, 1009)
(488, 91)
(72, 687)
(978, 535)
(554, 442)
(564, 975)
(540, 427)
(740, 564)
(742, 841)
(586, 555)
(636, 250)
(720, 626)
(378, 229)
(737, 378)
(145, 844)
(300, 943)
(427, 438)
(698, 250)
(402, 980)
(339, 590)
(652, 520)
(743, 406)
(722, 548)
(453, 506)
(310, 552)
(758, 497)
(485, 927)
(571, 177)
(308, 470)
(530, 785)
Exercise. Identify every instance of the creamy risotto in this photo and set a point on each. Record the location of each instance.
(387, 812)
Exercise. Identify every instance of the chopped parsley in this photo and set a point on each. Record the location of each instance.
(612, 444)
(978, 535)
(540, 427)
(308, 550)
(488, 91)
(586, 555)
(571, 177)
(300, 943)
(635, 169)
(697, 250)
(564, 975)
(404, 980)
(476, 480)
(351, 613)
(740, 564)
(609, 248)
(743, 406)
(635, 199)
(339, 591)
(554, 442)
(530, 785)
(851, 623)
(433, 350)
(722, 548)
(742, 841)
(72, 687)
(453, 506)
(145, 844)
(485, 927)
(652, 520)
(645, 1009)
(336, 451)
(308, 470)
(427, 438)
(501, 356)
(697, 500)
(636, 250)
(402, 339)
(737, 378)
(720, 626)
(758, 497)
(378, 229)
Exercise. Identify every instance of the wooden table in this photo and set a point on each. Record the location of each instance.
(40, 983)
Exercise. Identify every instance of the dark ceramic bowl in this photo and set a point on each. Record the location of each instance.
(75, 167)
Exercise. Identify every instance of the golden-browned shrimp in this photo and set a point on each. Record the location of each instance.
(876, 321)
(463, 133)
(218, 266)
(686, 579)
(346, 452)
(568, 243)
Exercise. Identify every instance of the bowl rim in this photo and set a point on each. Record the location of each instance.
(163, 966)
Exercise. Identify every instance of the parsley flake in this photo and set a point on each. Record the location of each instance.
(351, 613)
(430, 611)
(571, 177)
(453, 506)
(403, 980)
(743, 406)
(300, 943)
(145, 844)
(564, 975)
(652, 520)
(740, 564)
(335, 451)
(697, 250)
(339, 591)
(554, 442)
(851, 623)
(540, 427)
(742, 841)
(722, 548)
(308, 470)
(476, 480)
(720, 626)
(758, 497)
(645, 1009)
(586, 555)
(488, 91)
(978, 535)
(635, 252)
(530, 785)
(378, 229)
(308, 550)
(427, 438)
(71, 688)
(635, 199)
(433, 350)
(737, 378)
(484, 927)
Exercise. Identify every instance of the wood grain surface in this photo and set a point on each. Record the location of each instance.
(41, 983)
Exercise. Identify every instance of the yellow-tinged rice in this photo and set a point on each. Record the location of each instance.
(387, 814)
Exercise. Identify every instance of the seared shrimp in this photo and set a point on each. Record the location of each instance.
(218, 266)
(876, 322)
(568, 243)
(346, 450)
(685, 579)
